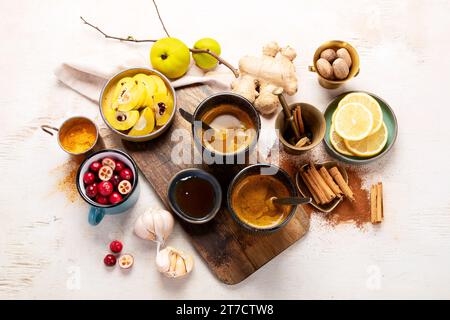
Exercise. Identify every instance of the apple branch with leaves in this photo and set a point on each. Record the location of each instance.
(192, 50)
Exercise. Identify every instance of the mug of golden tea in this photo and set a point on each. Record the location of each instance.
(76, 136)
(250, 195)
(225, 127)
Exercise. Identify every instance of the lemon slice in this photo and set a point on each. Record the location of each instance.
(370, 146)
(353, 121)
(338, 143)
(367, 101)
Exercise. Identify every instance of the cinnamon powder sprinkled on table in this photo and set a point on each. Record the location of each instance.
(356, 212)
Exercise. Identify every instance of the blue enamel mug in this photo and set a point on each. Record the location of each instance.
(98, 211)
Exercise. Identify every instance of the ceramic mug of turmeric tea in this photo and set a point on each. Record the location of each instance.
(250, 198)
(225, 127)
(76, 136)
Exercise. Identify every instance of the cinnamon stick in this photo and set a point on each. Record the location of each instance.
(373, 204)
(316, 188)
(310, 188)
(294, 116)
(329, 194)
(380, 214)
(376, 203)
(341, 183)
(301, 125)
(329, 181)
(302, 142)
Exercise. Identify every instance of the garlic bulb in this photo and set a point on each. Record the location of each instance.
(174, 263)
(154, 224)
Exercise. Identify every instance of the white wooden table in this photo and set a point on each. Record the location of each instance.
(47, 248)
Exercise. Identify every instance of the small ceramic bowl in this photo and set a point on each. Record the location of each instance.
(389, 119)
(304, 191)
(194, 172)
(258, 169)
(69, 124)
(130, 73)
(336, 44)
(226, 98)
(313, 119)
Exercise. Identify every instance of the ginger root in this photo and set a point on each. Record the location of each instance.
(261, 76)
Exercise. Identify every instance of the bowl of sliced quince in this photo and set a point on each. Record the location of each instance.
(138, 104)
(361, 127)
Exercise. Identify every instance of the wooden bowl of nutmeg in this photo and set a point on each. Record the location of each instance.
(335, 62)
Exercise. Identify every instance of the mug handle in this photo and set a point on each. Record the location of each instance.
(95, 215)
(47, 128)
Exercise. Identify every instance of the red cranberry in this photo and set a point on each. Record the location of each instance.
(89, 178)
(116, 246)
(124, 187)
(105, 173)
(120, 166)
(115, 180)
(109, 260)
(115, 197)
(109, 162)
(91, 190)
(95, 166)
(105, 188)
(126, 174)
(102, 200)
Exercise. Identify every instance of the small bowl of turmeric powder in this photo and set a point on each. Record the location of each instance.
(77, 135)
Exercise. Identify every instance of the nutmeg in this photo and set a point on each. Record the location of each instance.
(329, 55)
(344, 54)
(340, 69)
(324, 68)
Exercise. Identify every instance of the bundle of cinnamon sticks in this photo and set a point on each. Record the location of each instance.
(298, 122)
(376, 203)
(325, 185)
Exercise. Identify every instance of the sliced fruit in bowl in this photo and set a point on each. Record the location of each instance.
(160, 85)
(353, 121)
(348, 135)
(369, 102)
(338, 143)
(121, 120)
(145, 124)
(150, 86)
(163, 106)
(370, 146)
(127, 95)
(138, 104)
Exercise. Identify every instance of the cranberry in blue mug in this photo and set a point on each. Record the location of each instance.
(108, 181)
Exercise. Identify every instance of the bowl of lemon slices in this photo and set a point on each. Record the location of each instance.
(361, 127)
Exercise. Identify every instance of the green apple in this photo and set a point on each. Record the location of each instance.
(171, 57)
(204, 60)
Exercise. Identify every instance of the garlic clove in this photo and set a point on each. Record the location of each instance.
(174, 263)
(180, 267)
(162, 261)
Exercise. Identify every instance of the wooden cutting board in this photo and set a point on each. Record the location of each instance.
(231, 252)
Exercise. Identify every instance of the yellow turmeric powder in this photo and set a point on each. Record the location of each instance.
(79, 137)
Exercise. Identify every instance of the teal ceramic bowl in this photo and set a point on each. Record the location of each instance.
(388, 117)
